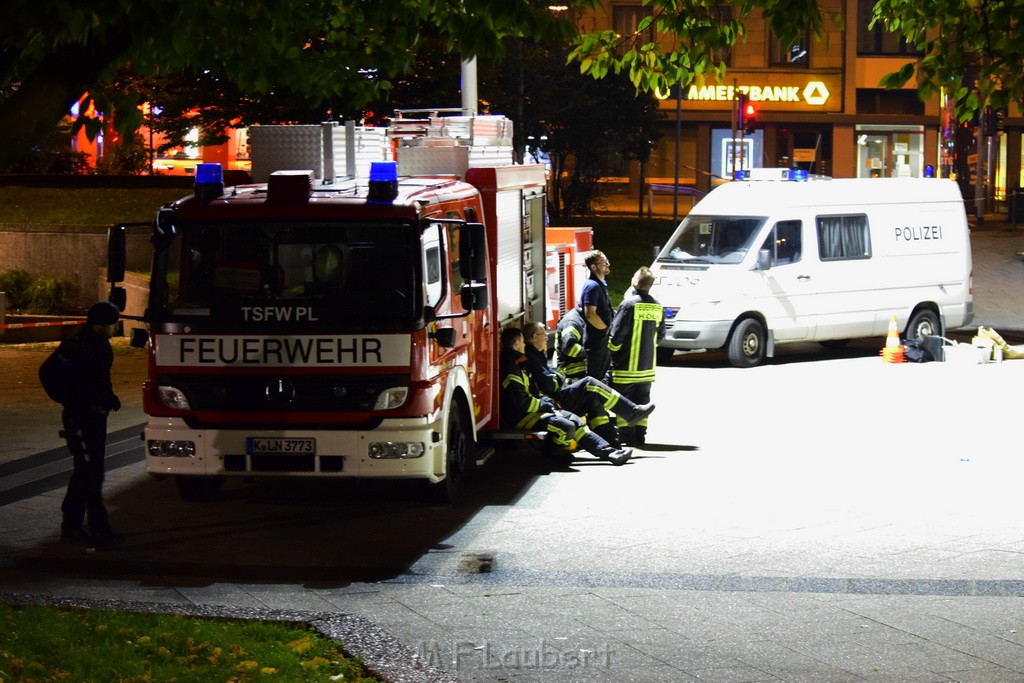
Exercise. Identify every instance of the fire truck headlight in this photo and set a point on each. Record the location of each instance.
(391, 398)
(400, 450)
(173, 398)
(171, 449)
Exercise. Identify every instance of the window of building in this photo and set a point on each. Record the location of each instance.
(843, 238)
(877, 40)
(626, 19)
(878, 101)
(797, 54)
(563, 11)
(721, 14)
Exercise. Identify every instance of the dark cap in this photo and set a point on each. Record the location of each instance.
(103, 313)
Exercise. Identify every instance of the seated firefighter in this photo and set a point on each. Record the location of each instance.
(587, 396)
(524, 407)
(569, 344)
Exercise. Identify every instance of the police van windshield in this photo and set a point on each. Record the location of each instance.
(360, 273)
(712, 239)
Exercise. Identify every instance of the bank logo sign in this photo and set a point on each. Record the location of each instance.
(813, 93)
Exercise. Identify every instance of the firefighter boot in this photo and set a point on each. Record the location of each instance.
(557, 455)
(609, 433)
(631, 412)
(604, 450)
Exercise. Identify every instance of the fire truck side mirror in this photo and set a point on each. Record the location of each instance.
(474, 296)
(119, 297)
(116, 254)
(473, 252)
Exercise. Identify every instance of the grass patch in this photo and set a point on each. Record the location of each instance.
(49, 644)
(82, 206)
(628, 243)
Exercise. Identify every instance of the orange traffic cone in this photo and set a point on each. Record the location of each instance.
(893, 350)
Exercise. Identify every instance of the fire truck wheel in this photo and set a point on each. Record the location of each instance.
(458, 461)
(198, 489)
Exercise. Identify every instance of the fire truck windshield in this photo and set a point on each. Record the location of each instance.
(360, 275)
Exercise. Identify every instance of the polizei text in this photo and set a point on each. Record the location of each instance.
(920, 232)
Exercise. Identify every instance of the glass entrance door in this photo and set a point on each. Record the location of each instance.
(872, 156)
(890, 152)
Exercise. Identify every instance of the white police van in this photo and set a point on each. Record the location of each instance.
(758, 263)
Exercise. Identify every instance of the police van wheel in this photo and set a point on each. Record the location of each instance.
(458, 462)
(747, 344)
(198, 489)
(923, 323)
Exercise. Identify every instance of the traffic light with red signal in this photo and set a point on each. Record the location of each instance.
(748, 116)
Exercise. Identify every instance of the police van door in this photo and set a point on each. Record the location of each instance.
(789, 295)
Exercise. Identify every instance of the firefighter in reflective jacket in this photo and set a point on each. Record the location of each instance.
(633, 341)
(572, 355)
(524, 407)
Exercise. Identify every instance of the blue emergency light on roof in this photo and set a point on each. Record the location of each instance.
(739, 175)
(209, 181)
(383, 182)
(798, 174)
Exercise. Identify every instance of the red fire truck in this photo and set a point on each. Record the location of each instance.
(321, 326)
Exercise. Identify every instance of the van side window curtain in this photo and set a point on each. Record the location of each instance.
(843, 238)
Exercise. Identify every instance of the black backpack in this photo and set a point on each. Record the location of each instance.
(55, 376)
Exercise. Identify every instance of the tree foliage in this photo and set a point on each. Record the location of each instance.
(50, 53)
(698, 32)
(581, 124)
(577, 122)
(973, 48)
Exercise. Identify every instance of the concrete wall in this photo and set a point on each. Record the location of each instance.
(75, 252)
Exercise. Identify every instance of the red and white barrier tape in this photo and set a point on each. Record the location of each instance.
(17, 326)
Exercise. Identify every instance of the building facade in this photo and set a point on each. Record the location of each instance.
(819, 106)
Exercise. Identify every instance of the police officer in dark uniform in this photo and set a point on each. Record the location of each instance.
(91, 397)
(597, 311)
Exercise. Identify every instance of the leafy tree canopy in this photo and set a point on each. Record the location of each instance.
(698, 31)
(974, 48)
(52, 52)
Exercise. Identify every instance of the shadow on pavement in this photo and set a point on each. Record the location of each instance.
(292, 531)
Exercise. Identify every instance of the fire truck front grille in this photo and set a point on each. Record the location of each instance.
(306, 393)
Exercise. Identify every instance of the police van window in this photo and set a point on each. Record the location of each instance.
(783, 242)
(842, 238)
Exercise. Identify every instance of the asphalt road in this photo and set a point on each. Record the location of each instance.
(815, 491)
